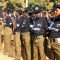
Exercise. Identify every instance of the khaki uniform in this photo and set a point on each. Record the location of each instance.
(12, 46)
(38, 44)
(25, 31)
(0, 40)
(55, 49)
(7, 40)
(27, 45)
(38, 29)
(1, 33)
(17, 45)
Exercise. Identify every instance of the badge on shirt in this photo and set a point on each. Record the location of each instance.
(58, 25)
(39, 25)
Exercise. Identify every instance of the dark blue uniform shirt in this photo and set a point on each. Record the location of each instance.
(25, 24)
(8, 21)
(18, 24)
(40, 26)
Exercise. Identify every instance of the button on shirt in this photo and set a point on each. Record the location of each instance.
(18, 24)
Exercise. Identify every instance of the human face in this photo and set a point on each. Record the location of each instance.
(38, 15)
(26, 14)
(4, 14)
(57, 12)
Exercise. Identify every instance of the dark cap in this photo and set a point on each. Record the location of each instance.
(6, 10)
(28, 10)
(19, 11)
(52, 10)
(37, 9)
(57, 6)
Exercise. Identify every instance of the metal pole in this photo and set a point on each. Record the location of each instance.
(26, 3)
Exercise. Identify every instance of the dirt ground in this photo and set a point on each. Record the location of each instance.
(4, 57)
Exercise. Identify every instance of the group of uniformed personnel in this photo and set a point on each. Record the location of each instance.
(30, 29)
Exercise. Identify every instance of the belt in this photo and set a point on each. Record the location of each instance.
(25, 33)
(6, 26)
(38, 36)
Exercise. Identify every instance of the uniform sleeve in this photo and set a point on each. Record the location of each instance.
(45, 24)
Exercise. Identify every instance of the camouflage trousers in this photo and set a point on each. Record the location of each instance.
(38, 48)
(27, 45)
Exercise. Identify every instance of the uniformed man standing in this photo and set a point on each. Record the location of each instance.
(7, 31)
(17, 30)
(54, 34)
(26, 34)
(39, 28)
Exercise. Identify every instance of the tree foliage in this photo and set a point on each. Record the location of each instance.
(44, 3)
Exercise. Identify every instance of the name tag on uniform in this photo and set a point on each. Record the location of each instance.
(38, 29)
(58, 40)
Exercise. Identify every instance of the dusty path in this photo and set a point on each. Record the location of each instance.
(5, 57)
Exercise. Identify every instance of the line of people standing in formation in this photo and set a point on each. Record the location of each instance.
(30, 30)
